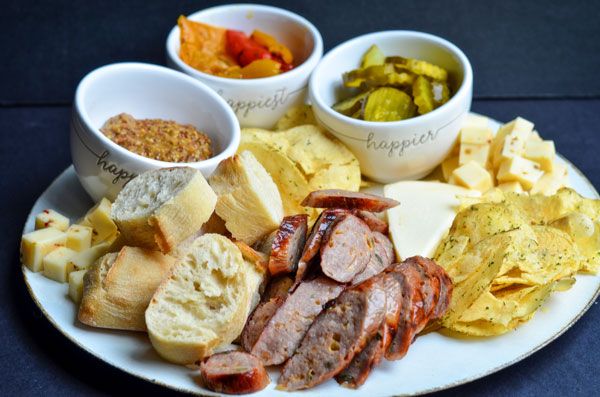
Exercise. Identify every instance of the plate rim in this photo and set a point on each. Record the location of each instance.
(447, 386)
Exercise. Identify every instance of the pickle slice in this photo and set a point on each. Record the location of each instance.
(351, 105)
(377, 76)
(373, 57)
(388, 104)
(441, 93)
(419, 67)
(423, 95)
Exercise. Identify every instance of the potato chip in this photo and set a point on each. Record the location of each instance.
(296, 116)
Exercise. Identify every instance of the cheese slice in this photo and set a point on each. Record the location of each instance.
(424, 216)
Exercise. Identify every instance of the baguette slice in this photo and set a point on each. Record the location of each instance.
(249, 201)
(118, 287)
(161, 208)
(204, 302)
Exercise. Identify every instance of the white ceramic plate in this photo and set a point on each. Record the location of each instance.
(434, 361)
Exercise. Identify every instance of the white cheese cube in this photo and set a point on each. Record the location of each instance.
(511, 187)
(448, 166)
(51, 218)
(474, 152)
(79, 237)
(476, 135)
(524, 171)
(514, 145)
(76, 285)
(535, 136)
(542, 153)
(552, 181)
(57, 265)
(103, 225)
(475, 121)
(36, 245)
(473, 176)
(86, 258)
(519, 125)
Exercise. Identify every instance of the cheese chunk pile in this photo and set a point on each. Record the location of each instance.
(63, 252)
(515, 159)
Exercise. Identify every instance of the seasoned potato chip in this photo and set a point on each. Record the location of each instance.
(295, 116)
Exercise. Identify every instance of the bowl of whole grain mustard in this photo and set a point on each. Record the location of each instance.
(132, 117)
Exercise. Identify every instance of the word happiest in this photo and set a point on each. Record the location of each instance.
(243, 107)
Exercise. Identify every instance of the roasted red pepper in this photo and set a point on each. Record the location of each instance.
(244, 49)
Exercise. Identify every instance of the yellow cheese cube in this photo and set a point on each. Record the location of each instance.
(542, 153)
(475, 121)
(51, 218)
(36, 245)
(517, 125)
(79, 237)
(521, 170)
(476, 135)
(86, 258)
(547, 185)
(535, 136)
(76, 285)
(511, 187)
(103, 225)
(57, 265)
(452, 180)
(514, 145)
(474, 152)
(449, 165)
(473, 176)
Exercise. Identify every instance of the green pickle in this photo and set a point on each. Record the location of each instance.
(393, 88)
(388, 104)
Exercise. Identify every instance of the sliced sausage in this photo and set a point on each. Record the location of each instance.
(393, 282)
(313, 243)
(337, 334)
(233, 373)
(381, 258)
(357, 372)
(430, 283)
(412, 315)
(335, 198)
(273, 298)
(375, 223)
(282, 335)
(347, 249)
(288, 244)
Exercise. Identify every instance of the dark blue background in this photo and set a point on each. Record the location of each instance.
(539, 60)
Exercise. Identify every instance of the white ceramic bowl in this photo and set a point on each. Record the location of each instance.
(407, 149)
(144, 91)
(258, 102)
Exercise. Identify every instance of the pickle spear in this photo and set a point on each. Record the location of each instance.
(388, 104)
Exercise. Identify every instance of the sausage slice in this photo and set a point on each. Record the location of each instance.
(313, 243)
(347, 249)
(381, 258)
(336, 198)
(233, 373)
(337, 334)
(357, 372)
(288, 244)
(284, 332)
(375, 223)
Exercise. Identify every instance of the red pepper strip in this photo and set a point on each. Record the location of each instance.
(243, 49)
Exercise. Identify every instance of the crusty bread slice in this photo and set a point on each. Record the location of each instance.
(161, 208)
(118, 287)
(248, 199)
(204, 302)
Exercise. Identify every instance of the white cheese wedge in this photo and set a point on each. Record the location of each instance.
(36, 245)
(424, 216)
(51, 218)
(473, 176)
(57, 264)
(76, 285)
(542, 152)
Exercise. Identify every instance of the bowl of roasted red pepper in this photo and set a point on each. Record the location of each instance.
(259, 58)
